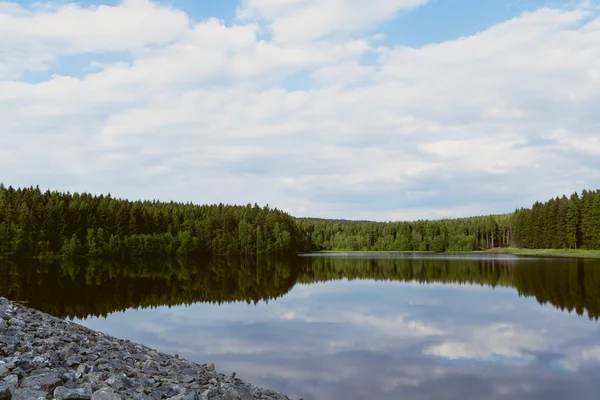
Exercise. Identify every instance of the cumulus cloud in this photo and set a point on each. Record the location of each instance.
(293, 21)
(38, 35)
(299, 120)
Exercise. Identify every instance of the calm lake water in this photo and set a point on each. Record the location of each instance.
(349, 326)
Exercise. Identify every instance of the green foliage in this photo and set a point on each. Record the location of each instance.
(560, 223)
(461, 234)
(33, 223)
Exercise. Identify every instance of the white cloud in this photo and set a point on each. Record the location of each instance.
(508, 113)
(578, 141)
(492, 156)
(38, 35)
(490, 342)
(294, 21)
(577, 358)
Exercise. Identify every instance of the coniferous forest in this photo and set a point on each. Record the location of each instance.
(561, 223)
(35, 223)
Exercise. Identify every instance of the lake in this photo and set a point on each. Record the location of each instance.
(348, 326)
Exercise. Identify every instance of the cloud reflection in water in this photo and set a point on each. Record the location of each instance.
(367, 339)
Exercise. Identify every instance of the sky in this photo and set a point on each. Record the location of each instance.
(382, 110)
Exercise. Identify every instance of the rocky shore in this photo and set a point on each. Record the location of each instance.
(43, 357)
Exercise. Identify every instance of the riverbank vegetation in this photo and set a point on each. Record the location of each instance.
(564, 253)
(52, 224)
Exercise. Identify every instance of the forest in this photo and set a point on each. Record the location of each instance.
(53, 224)
(36, 223)
(561, 223)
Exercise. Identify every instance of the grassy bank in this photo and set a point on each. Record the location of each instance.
(366, 251)
(566, 253)
(569, 253)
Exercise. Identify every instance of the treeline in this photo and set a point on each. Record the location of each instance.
(462, 234)
(560, 223)
(572, 223)
(36, 223)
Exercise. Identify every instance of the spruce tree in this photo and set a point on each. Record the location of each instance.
(572, 222)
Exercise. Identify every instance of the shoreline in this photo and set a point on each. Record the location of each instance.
(44, 357)
(556, 253)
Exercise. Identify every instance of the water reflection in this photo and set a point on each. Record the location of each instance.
(350, 327)
(98, 288)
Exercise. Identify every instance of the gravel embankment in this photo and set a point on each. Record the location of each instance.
(43, 357)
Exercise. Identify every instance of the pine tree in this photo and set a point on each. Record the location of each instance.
(572, 222)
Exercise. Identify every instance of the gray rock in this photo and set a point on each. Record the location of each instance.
(19, 372)
(41, 355)
(186, 379)
(28, 394)
(11, 380)
(120, 382)
(73, 361)
(166, 391)
(62, 392)
(106, 394)
(237, 393)
(47, 381)
(141, 396)
(185, 396)
(5, 393)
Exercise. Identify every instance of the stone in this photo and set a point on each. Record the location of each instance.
(47, 381)
(141, 396)
(165, 391)
(41, 356)
(73, 361)
(237, 393)
(19, 372)
(84, 369)
(187, 379)
(5, 393)
(62, 392)
(106, 394)
(11, 380)
(185, 396)
(120, 382)
(28, 394)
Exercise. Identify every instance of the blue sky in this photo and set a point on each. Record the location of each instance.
(404, 109)
(440, 20)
